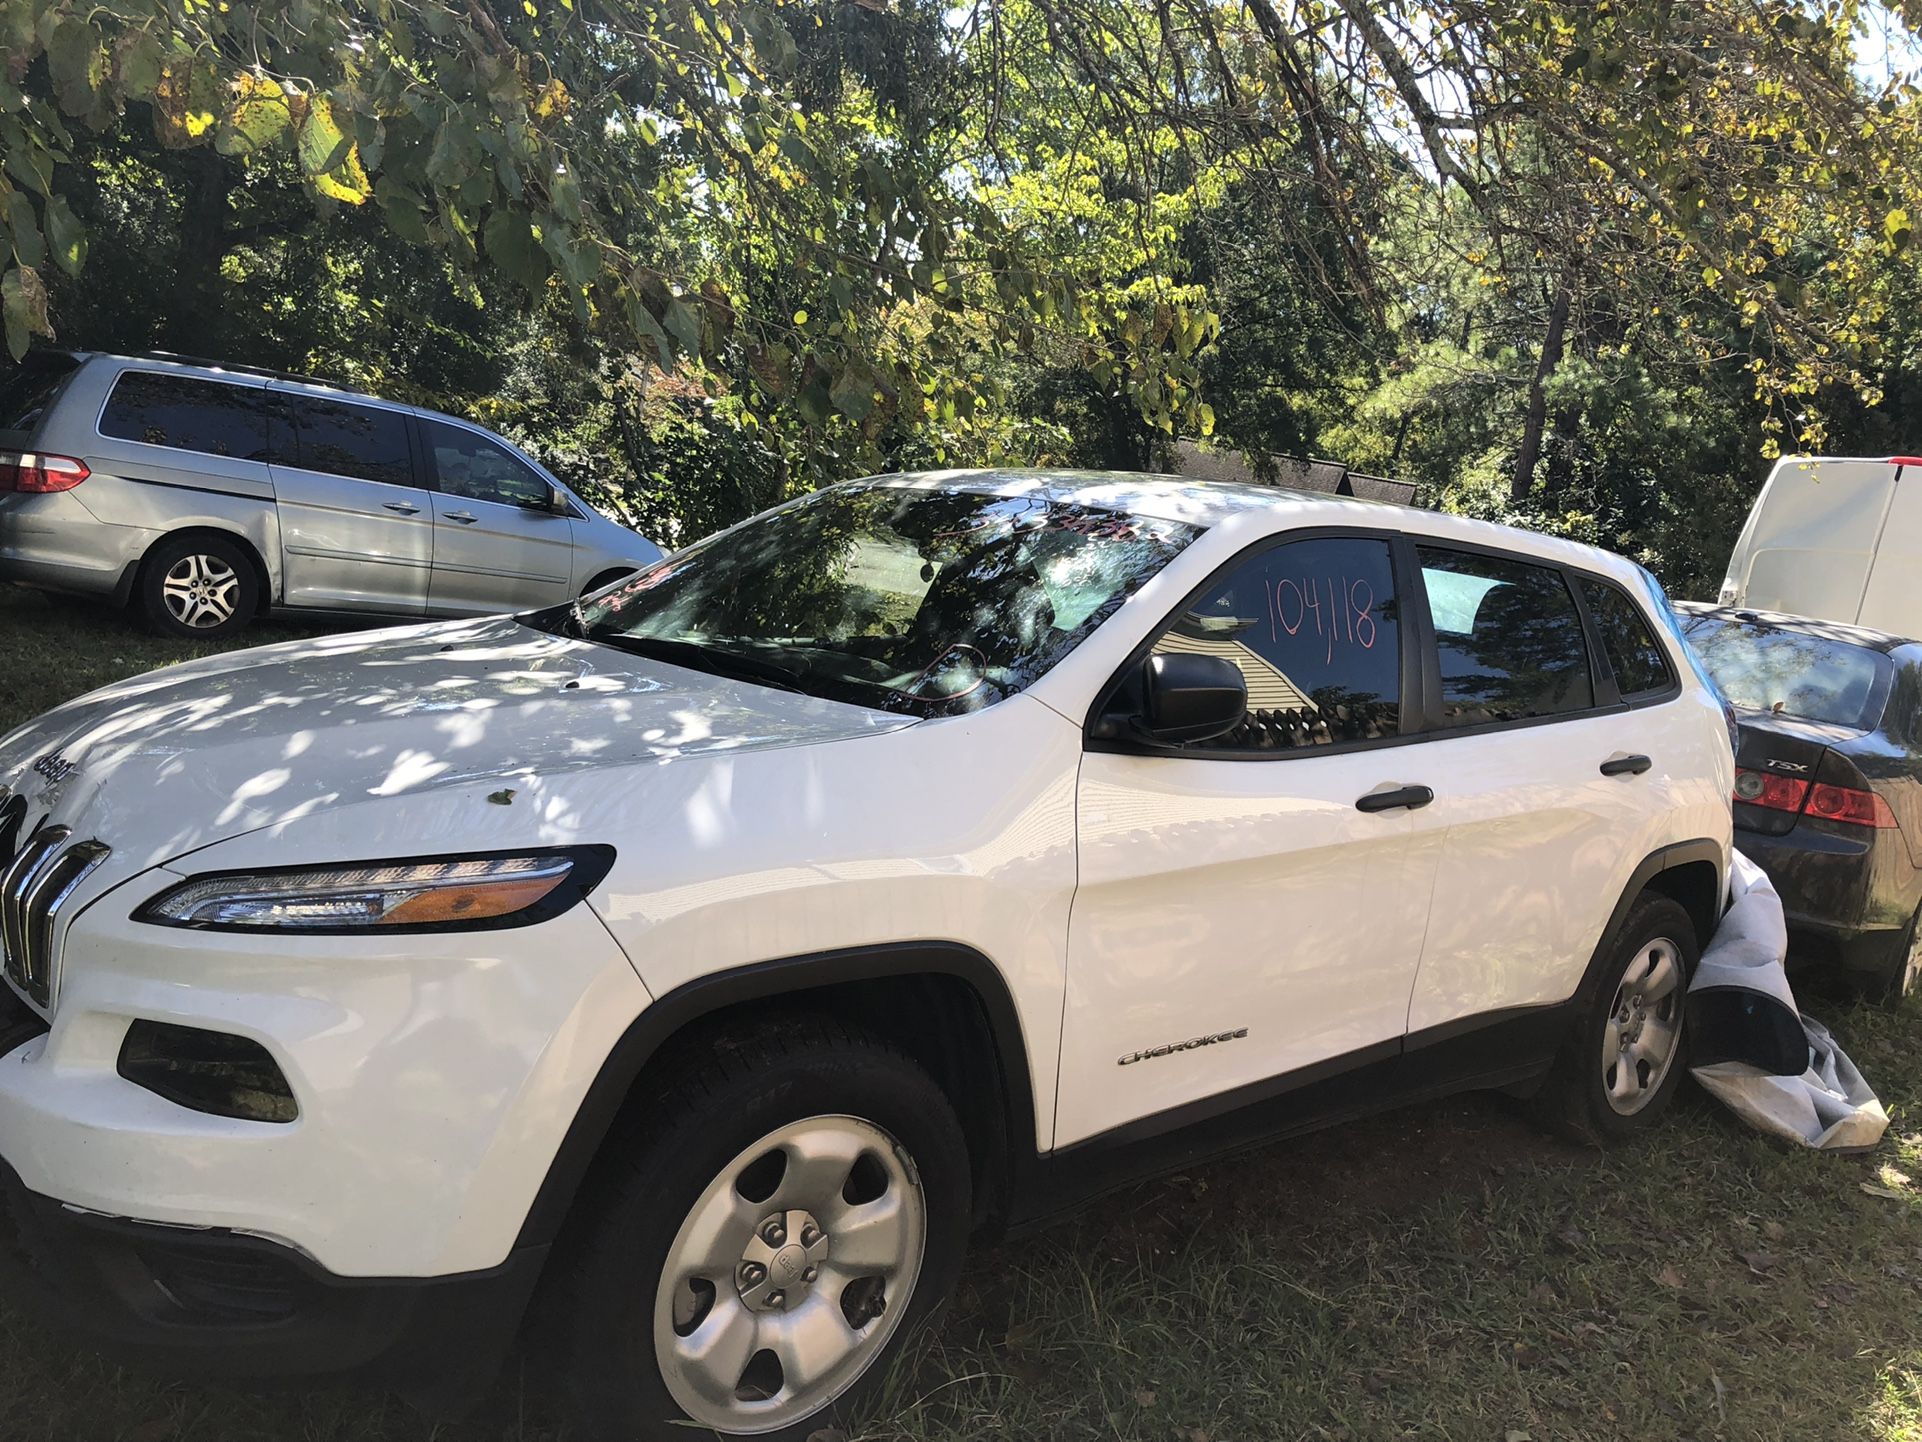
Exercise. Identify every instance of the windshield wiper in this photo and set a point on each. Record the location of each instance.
(697, 656)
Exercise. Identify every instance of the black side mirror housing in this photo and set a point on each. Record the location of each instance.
(1191, 698)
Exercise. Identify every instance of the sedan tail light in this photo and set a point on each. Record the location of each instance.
(1846, 803)
(31, 472)
(1777, 793)
(1821, 800)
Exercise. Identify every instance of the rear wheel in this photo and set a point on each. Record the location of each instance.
(1900, 977)
(197, 586)
(1619, 1069)
(767, 1244)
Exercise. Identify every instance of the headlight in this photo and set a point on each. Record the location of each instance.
(442, 893)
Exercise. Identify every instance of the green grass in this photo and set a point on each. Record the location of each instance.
(1444, 1272)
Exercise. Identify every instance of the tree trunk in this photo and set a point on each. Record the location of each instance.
(1536, 419)
(196, 306)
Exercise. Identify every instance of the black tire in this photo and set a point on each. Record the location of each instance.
(199, 587)
(723, 1096)
(1575, 1099)
(1891, 986)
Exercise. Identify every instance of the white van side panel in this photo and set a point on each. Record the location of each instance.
(1892, 600)
(1808, 545)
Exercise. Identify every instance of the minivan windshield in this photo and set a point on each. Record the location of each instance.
(930, 602)
(1768, 668)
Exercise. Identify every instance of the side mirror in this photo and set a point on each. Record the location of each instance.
(1191, 698)
(557, 501)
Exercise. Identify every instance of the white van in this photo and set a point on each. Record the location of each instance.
(1838, 538)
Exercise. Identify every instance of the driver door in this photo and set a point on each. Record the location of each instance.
(1239, 922)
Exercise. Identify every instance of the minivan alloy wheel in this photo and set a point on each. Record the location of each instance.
(789, 1275)
(200, 591)
(1641, 1036)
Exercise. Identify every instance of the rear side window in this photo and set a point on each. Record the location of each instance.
(478, 469)
(1638, 661)
(25, 394)
(1314, 628)
(185, 413)
(365, 442)
(1761, 667)
(1509, 639)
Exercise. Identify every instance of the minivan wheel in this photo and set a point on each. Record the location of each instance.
(198, 586)
(766, 1242)
(1618, 1070)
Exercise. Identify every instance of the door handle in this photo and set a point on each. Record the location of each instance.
(401, 507)
(466, 518)
(1626, 765)
(1412, 797)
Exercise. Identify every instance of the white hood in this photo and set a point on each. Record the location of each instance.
(176, 759)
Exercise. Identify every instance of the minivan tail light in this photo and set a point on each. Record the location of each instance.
(1847, 803)
(36, 474)
(1777, 793)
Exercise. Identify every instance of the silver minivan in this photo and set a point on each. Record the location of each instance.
(206, 494)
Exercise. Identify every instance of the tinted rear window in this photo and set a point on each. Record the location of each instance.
(1639, 663)
(1760, 667)
(186, 414)
(26, 391)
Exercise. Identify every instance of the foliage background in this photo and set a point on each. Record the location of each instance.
(1583, 266)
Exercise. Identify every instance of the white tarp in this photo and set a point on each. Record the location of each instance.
(1747, 1032)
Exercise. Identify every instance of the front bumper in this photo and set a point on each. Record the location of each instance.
(435, 1076)
(216, 1304)
(1848, 899)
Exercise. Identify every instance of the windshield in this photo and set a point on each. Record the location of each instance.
(1760, 667)
(925, 601)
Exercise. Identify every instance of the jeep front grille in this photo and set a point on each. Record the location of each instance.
(37, 882)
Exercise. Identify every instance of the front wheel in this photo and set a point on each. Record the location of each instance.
(1620, 1066)
(764, 1247)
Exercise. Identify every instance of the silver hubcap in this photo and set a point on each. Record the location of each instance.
(1644, 1029)
(200, 591)
(789, 1275)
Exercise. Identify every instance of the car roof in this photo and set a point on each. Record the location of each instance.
(1209, 503)
(1802, 625)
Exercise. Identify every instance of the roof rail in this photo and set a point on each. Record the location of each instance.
(174, 358)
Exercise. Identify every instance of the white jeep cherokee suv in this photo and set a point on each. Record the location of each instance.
(922, 856)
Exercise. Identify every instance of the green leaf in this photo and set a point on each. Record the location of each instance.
(853, 392)
(1895, 226)
(66, 235)
(76, 64)
(684, 324)
(185, 99)
(137, 57)
(515, 252)
(328, 156)
(259, 117)
(24, 230)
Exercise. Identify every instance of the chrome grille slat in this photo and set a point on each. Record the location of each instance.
(35, 884)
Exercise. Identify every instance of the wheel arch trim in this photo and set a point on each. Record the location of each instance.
(794, 976)
(1645, 878)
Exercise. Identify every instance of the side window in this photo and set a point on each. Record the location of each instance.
(478, 469)
(1509, 637)
(365, 442)
(1315, 629)
(187, 414)
(1639, 663)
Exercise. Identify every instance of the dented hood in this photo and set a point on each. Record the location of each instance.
(175, 759)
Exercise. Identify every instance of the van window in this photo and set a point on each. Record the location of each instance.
(1639, 663)
(478, 469)
(1314, 628)
(366, 442)
(24, 395)
(1508, 637)
(186, 413)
